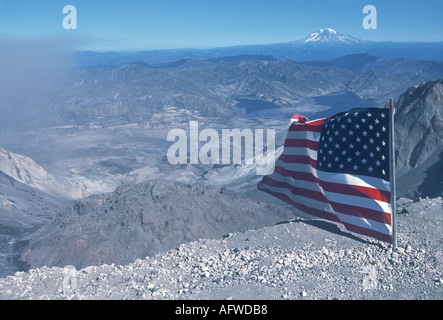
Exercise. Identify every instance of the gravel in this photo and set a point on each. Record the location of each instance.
(298, 259)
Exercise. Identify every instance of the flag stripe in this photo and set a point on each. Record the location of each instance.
(309, 135)
(294, 169)
(295, 151)
(353, 190)
(335, 201)
(313, 145)
(381, 233)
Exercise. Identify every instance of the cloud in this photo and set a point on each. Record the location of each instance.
(29, 70)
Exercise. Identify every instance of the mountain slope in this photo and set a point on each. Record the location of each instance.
(419, 140)
(139, 220)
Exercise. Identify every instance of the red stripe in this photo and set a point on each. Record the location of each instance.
(348, 189)
(329, 216)
(313, 145)
(368, 232)
(306, 209)
(298, 159)
(355, 211)
(313, 127)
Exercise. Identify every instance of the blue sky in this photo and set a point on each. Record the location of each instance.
(166, 24)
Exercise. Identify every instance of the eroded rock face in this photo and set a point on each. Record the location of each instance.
(419, 140)
(136, 221)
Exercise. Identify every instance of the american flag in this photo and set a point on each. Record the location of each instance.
(337, 168)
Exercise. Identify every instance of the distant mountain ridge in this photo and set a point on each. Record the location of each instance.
(323, 44)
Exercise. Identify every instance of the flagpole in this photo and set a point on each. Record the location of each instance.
(392, 177)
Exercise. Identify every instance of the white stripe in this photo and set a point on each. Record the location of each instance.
(353, 179)
(296, 167)
(365, 223)
(315, 204)
(296, 183)
(319, 205)
(351, 200)
(308, 135)
(300, 151)
(358, 201)
(343, 178)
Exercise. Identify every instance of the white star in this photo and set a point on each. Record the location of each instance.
(343, 152)
(383, 128)
(377, 148)
(341, 165)
(365, 147)
(383, 158)
(377, 163)
(371, 155)
(358, 139)
(363, 120)
(330, 152)
(364, 161)
(351, 132)
(343, 139)
(357, 153)
(329, 165)
(351, 146)
(336, 159)
(330, 139)
(382, 115)
(371, 127)
(365, 133)
(357, 126)
(371, 140)
(355, 114)
(384, 172)
(355, 167)
(349, 159)
(343, 126)
(377, 134)
(369, 115)
(349, 120)
(383, 143)
(337, 146)
(370, 169)
(377, 121)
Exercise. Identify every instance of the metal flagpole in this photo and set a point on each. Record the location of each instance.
(392, 171)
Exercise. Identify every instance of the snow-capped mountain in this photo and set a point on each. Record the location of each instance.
(329, 35)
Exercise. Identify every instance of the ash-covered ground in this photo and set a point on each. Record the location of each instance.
(296, 259)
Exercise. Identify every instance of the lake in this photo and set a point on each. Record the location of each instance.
(341, 102)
